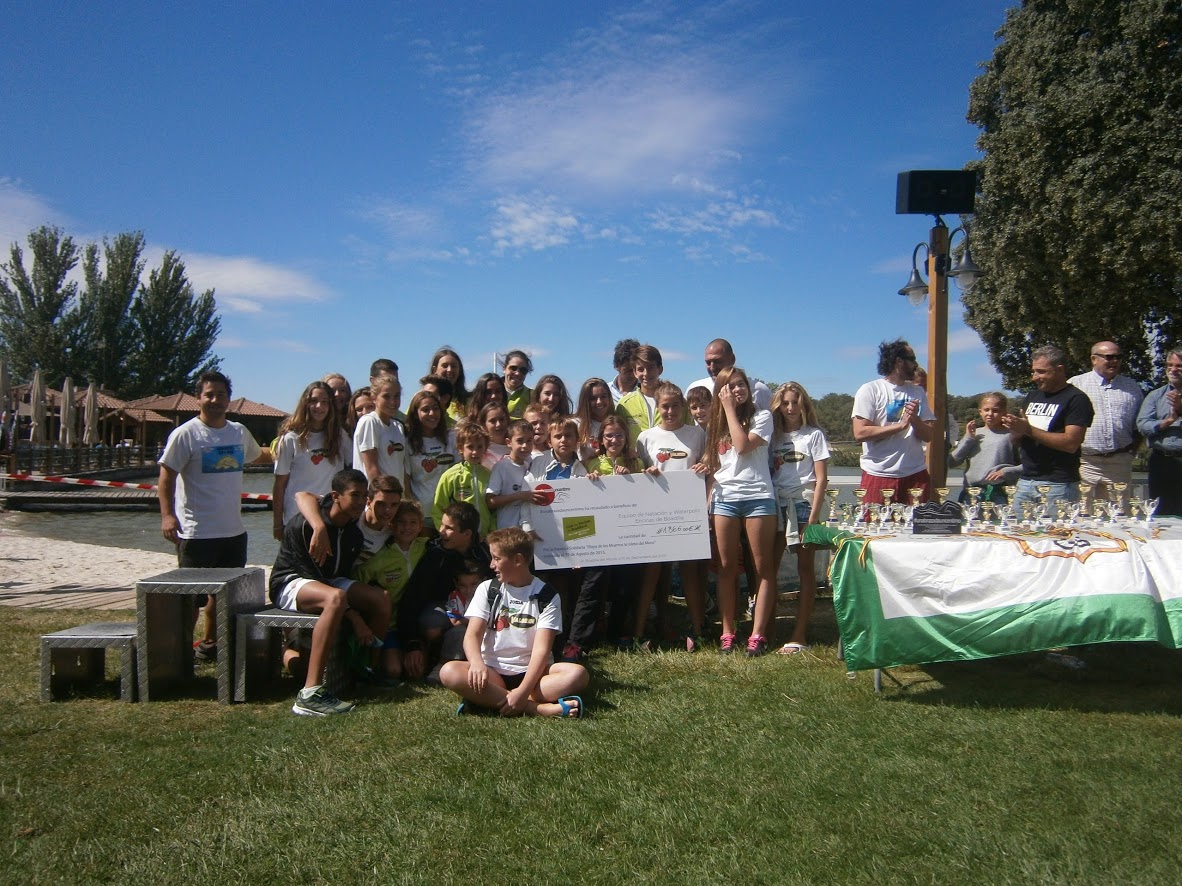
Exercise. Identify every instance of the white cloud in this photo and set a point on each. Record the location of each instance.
(718, 217)
(242, 283)
(651, 101)
(630, 128)
(521, 223)
(21, 211)
(275, 344)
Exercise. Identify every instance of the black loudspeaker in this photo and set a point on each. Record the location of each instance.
(935, 192)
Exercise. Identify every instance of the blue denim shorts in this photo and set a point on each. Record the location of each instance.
(740, 510)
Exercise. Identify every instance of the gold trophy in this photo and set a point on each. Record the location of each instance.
(1118, 490)
(860, 495)
(916, 493)
(1011, 491)
(942, 493)
(832, 493)
(987, 508)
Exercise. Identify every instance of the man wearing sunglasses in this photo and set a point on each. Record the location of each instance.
(1112, 440)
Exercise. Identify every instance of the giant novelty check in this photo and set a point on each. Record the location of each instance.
(623, 518)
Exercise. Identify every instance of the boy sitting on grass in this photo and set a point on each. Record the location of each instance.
(512, 623)
(299, 582)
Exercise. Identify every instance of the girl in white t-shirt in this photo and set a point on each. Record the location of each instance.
(742, 500)
(494, 418)
(595, 404)
(800, 457)
(430, 449)
(672, 445)
(311, 449)
(379, 443)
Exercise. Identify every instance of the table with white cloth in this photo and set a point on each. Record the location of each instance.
(914, 599)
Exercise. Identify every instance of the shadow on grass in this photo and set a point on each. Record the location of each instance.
(1131, 678)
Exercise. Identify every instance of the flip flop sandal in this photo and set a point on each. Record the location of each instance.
(569, 711)
(792, 649)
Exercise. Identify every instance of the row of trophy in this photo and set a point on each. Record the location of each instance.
(1091, 510)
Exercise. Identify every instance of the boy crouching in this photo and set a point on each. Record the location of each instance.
(512, 623)
(299, 582)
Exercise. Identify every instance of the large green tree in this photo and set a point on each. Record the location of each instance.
(1078, 220)
(38, 326)
(106, 328)
(132, 337)
(175, 330)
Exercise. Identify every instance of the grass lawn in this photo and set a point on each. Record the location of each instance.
(690, 769)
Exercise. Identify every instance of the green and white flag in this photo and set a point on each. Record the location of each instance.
(911, 600)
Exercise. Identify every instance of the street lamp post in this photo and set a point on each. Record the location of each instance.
(938, 192)
(966, 274)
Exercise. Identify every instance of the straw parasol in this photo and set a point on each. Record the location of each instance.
(90, 417)
(37, 409)
(65, 434)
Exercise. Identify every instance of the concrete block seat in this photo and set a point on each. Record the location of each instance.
(257, 658)
(78, 656)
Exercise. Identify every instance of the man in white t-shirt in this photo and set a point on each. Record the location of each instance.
(200, 490)
(892, 421)
(719, 356)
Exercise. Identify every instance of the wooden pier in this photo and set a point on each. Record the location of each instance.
(93, 499)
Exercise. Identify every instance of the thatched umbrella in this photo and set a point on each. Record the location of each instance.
(90, 417)
(37, 409)
(65, 434)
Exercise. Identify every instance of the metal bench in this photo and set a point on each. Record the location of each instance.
(164, 618)
(79, 655)
(259, 645)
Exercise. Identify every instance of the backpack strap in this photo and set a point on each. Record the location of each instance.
(544, 596)
(494, 602)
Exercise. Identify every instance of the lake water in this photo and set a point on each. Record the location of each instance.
(139, 529)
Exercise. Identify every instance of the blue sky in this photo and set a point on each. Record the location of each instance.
(379, 179)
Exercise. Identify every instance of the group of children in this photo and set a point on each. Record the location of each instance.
(394, 545)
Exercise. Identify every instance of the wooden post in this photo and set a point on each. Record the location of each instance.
(938, 352)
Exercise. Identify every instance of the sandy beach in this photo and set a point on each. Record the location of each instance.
(51, 574)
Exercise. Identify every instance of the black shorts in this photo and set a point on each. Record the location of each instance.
(211, 553)
(512, 681)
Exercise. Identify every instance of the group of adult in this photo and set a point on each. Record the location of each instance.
(1070, 429)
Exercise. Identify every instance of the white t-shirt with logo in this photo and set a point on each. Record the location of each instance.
(208, 463)
(307, 470)
(677, 450)
(881, 403)
(794, 457)
(427, 467)
(509, 641)
(386, 439)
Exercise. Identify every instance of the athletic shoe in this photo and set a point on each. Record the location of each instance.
(320, 704)
(756, 646)
(203, 650)
(726, 644)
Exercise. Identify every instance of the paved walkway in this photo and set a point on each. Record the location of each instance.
(48, 574)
